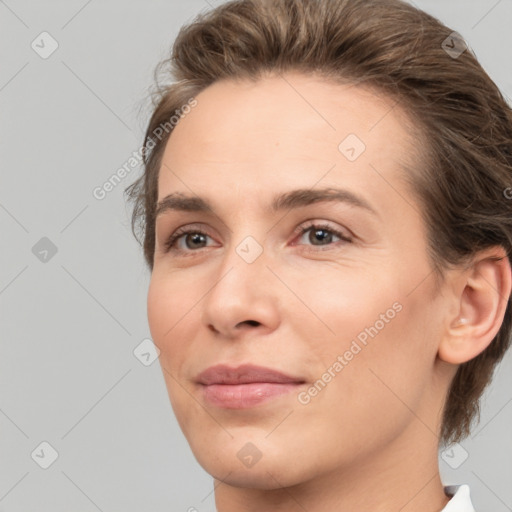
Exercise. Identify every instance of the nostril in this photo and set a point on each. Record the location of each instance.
(250, 322)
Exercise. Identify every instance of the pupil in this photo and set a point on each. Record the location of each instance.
(320, 237)
(196, 237)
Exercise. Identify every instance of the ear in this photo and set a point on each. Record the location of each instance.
(482, 291)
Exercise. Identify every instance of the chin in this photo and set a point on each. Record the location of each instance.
(263, 476)
(251, 465)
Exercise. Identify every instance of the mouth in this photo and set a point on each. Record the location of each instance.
(244, 386)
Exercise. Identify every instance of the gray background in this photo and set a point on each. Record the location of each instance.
(68, 374)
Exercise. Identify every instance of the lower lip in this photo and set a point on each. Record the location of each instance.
(243, 396)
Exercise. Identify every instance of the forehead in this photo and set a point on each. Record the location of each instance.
(283, 130)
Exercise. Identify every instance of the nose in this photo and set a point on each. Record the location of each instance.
(244, 296)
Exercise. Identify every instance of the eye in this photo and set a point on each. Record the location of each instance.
(196, 238)
(320, 233)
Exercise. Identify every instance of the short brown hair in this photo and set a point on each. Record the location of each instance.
(464, 124)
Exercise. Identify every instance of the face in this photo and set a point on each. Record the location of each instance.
(336, 293)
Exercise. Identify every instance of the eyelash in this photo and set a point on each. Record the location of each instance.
(171, 241)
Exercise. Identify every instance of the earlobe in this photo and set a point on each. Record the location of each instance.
(482, 295)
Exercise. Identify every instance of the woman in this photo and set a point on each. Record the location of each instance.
(325, 215)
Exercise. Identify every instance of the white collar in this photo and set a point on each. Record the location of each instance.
(461, 500)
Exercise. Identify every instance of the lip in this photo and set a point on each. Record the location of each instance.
(244, 386)
(244, 374)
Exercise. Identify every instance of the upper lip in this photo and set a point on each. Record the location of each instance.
(244, 374)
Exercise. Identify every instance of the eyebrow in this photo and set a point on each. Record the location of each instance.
(292, 199)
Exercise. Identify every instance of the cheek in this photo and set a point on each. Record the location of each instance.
(389, 376)
(342, 302)
(167, 306)
(159, 303)
(380, 330)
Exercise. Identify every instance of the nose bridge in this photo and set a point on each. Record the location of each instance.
(243, 266)
(241, 291)
(245, 247)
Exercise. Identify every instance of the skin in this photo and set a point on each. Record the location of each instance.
(369, 439)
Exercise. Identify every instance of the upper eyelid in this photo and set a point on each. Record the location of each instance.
(308, 223)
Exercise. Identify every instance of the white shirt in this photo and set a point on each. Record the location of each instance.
(461, 501)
